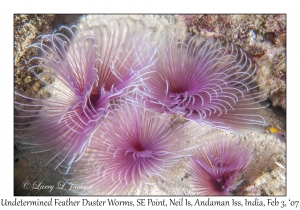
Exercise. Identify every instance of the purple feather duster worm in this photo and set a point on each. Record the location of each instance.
(206, 80)
(216, 164)
(125, 151)
(83, 70)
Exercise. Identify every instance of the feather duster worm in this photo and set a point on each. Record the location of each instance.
(206, 80)
(83, 70)
(216, 164)
(125, 151)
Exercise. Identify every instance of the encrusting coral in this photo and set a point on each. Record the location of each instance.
(261, 36)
